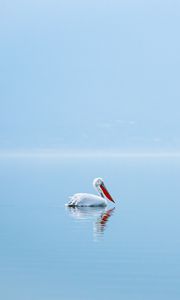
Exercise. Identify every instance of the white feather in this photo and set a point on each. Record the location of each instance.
(84, 199)
(90, 200)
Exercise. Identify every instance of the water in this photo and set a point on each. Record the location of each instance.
(50, 252)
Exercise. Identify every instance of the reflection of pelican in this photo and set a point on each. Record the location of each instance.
(100, 224)
(99, 215)
(86, 213)
(84, 199)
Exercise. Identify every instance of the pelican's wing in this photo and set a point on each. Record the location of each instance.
(83, 199)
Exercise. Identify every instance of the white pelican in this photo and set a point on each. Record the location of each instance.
(84, 199)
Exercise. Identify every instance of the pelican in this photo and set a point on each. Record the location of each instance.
(84, 199)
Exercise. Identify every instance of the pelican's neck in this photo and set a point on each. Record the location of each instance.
(96, 183)
(100, 192)
(102, 195)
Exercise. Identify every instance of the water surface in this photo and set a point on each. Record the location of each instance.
(50, 252)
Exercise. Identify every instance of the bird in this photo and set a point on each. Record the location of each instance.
(90, 200)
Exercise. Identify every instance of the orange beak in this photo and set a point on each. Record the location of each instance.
(106, 193)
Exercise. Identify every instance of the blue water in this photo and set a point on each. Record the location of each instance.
(50, 252)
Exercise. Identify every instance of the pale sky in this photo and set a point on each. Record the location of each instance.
(90, 75)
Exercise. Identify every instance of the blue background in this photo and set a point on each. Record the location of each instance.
(87, 75)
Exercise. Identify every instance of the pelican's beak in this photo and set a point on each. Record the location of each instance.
(106, 193)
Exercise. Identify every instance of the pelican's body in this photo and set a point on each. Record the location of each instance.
(85, 199)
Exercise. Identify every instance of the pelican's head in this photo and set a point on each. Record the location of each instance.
(99, 185)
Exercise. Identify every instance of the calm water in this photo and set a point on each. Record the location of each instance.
(50, 252)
